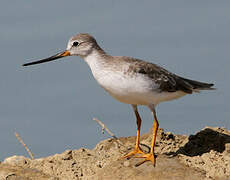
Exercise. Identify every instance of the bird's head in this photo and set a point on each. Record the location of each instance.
(79, 45)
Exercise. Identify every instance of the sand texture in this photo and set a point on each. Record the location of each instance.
(203, 156)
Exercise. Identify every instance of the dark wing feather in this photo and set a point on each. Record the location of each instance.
(199, 85)
(167, 81)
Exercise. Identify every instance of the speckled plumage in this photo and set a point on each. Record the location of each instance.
(167, 81)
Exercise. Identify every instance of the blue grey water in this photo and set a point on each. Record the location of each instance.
(52, 105)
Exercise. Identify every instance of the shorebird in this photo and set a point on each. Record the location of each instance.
(131, 81)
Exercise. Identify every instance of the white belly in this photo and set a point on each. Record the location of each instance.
(138, 90)
(128, 88)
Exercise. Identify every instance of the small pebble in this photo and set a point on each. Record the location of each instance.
(126, 163)
(227, 147)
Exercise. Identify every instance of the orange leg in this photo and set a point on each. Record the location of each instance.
(151, 156)
(137, 149)
(137, 152)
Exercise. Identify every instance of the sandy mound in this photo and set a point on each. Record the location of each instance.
(205, 155)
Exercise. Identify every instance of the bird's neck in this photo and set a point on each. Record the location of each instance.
(97, 57)
(97, 60)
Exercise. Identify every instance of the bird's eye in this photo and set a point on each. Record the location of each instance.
(75, 43)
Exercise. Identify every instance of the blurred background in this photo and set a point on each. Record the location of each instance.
(52, 105)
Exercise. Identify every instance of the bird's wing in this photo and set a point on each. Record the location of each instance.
(167, 81)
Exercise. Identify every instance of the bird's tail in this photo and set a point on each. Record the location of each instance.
(199, 85)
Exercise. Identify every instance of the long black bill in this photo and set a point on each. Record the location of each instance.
(56, 56)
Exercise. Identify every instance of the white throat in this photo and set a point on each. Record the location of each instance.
(96, 63)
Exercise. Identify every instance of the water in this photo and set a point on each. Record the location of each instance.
(52, 105)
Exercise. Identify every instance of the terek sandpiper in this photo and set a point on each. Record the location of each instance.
(131, 81)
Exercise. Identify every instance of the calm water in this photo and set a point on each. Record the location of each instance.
(52, 105)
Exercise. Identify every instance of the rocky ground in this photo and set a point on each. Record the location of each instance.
(203, 156)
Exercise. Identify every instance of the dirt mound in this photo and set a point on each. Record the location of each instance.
(208, 150)
(205, 155)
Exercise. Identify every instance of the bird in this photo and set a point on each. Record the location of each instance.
(130, 81)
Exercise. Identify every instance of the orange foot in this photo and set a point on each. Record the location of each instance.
(147, 157)
(136, 151)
